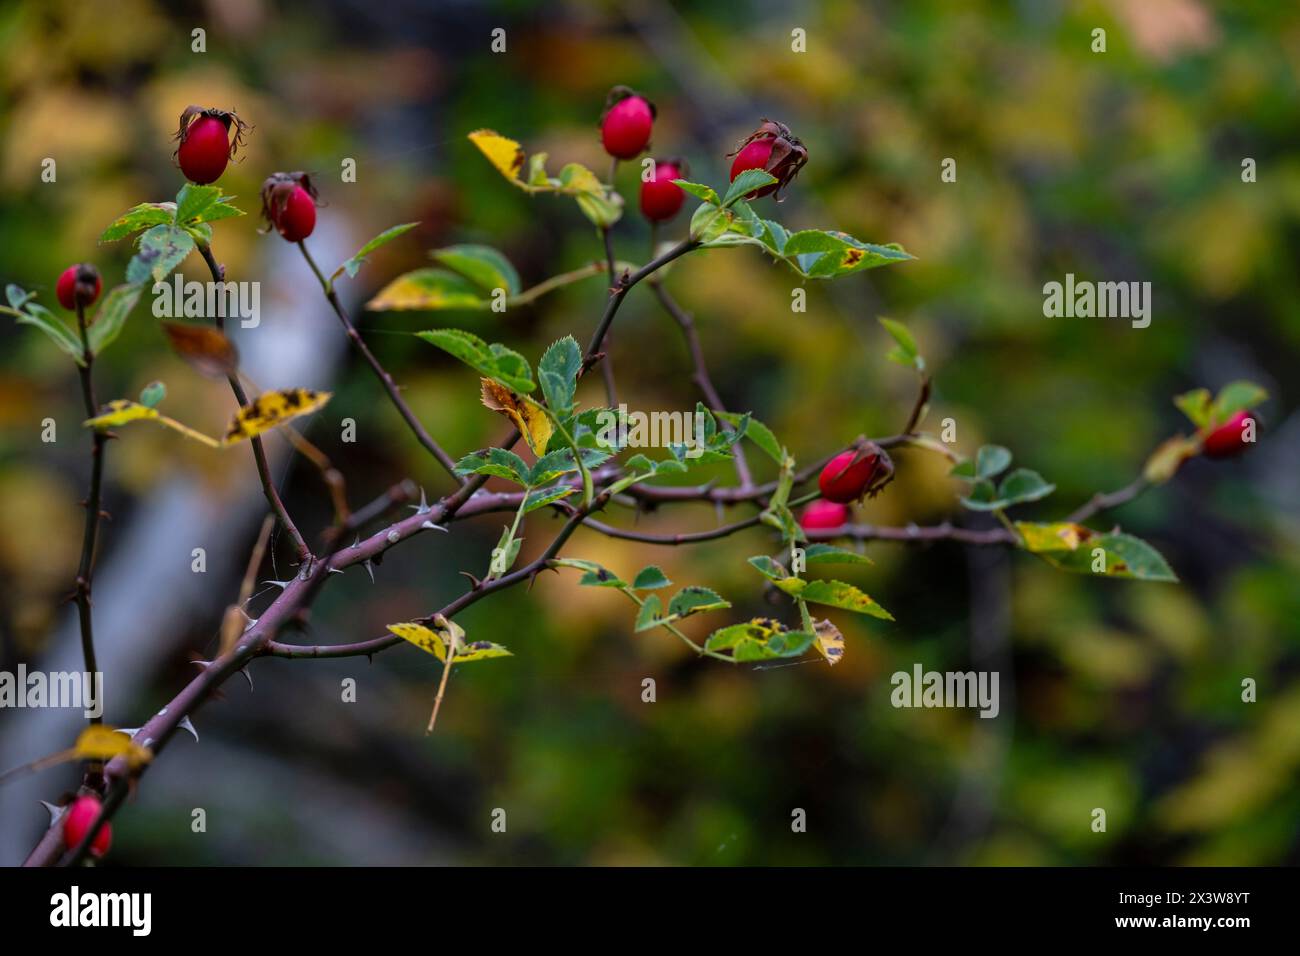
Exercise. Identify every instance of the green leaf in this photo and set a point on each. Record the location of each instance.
(699, 191)
(689, 600)
(505, 553)
(780, 517)
(1023, 485)
(112, 315)
(769, 568)
(159, 250)
(594, 576)
(829, 554)
(561, 461)
(222, 208)
(758, 640)
(991, 460)
(692, 599)
(499, 462)
(151, 395)
(495, 361)
(353, 266)
(137, 218)
(906, 353)
(484, 266)
(642, 468)
(542, 497)
(1237, 397)
(558, 373)
(751, 180)
(983, 497)
(708, 222)
(648, 616)
(649, 578)
(429, 290)
(37, 315)
(1080, 550)
(836, 594)
(824, 254)
(17, 297)
(758, 433)
(1196, 405)
(192, 200)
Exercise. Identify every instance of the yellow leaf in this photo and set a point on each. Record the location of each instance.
(480, 651)
(1167, 459)
(423, 638)
(1059, 536)
(503, 153)
(271, 409)
(99, 742)
(451, 633)
(120, 412)
(528, 417)
(829, 642)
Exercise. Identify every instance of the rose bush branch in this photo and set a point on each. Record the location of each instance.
(272, 494)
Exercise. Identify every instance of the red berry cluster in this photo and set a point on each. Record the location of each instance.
(857, 473)
(625, 129)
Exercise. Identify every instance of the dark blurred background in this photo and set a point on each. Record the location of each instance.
(1124, 166)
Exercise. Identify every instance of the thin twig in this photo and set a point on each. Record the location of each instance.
(90, 537)
(686, 322)
(259, 452)
(385, 379)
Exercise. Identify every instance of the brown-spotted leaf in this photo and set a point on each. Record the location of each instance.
(829, 642)
(528, 417)
(1168, 458)
(502, 152)
(422, 637)
(205, 348)
(119, 412)
(271, 409)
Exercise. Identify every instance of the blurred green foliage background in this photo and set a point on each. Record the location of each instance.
(1117, 166)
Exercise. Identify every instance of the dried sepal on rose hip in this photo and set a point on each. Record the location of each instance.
(205, 144)
(857, 473)
(626, 123)
(773, 148)
(289, 205)
(78, 284)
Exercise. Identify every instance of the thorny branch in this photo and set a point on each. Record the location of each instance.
(86, 568)
(291, 607)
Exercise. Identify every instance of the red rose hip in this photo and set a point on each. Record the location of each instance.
(205, 145)
(661, 198)
(289, 205)
(854, 473)
(626, 124)
(78, 820)
(774, 149)
(820, 515)
(78, 283)
(753, 155)
(1231, 438)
